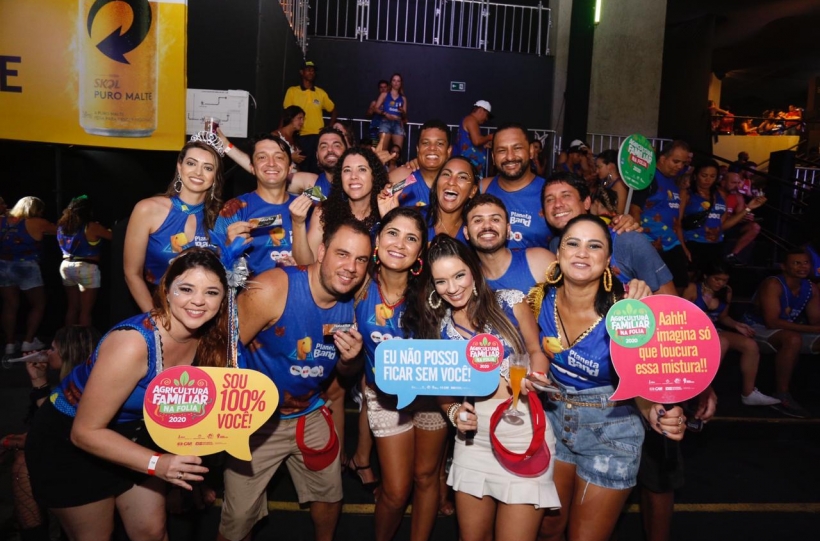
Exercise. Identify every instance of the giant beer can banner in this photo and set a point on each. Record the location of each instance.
(107, 73)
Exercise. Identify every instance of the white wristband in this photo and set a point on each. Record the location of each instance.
(152, 464)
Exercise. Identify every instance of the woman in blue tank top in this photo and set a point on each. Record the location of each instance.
(455, 185)
(713, 295)
(410, 441)
(20, 247)
(160, 227)
(576, 297)
(89, 452)
(80, 238)
(392, 105)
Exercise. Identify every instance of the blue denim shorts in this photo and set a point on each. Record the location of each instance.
(604, 443)
(393, 127)
(23, 275)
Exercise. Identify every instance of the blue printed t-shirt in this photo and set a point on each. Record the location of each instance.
(529, 228)
(268, 244)
(417, 193)
(298, 352)
(660, 214)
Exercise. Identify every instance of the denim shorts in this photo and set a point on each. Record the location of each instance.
(23, 275)
(393, 127)
(604, 443)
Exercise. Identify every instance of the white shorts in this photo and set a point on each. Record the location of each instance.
(811, 341)
(83, 274)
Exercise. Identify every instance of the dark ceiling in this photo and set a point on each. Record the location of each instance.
(765, 51)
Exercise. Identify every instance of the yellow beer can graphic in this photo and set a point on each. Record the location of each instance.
(118, 67)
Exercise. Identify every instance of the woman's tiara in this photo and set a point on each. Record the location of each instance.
(210, 139)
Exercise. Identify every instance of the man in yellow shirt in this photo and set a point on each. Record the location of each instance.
(313, 100)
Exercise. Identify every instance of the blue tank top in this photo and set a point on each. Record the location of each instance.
(392, 105)
(77, 245)
(517, 276)
(17, 244)
(416, 194)
(529, 228)
(66, 396)
(295, 352)
(464, 147)
(661, 212)
(377, 322)
(587, 363)
(791, 305)
(169, 240)
(323, 183)
(701, 303)
(268, 244)
(431, 230)
(711, 230)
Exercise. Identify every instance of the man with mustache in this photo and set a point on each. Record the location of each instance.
(289, 332)
(518, 187)
(487, 227)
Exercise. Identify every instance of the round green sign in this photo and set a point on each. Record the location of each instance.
(636, 161)
(630, 323)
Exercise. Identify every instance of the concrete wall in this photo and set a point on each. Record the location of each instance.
(559, 46)
(758, 147)
(626, 68)
(519, 87)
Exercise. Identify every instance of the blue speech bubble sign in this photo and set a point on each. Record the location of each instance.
(409, 368)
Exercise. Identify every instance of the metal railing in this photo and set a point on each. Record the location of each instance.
(472, 24)
(599, 142)
(550, 141)
(806, 179)
(296, 12)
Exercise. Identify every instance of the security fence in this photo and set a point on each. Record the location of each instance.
(472, 24)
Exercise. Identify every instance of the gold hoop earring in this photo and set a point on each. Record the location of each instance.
(435, 306)
(550, 277)
(607, 277)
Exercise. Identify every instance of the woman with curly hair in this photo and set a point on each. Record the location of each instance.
(79, 239)
(358, 179)
(88, 453)
(162, 226)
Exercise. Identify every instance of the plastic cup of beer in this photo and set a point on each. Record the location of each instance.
(211, 124)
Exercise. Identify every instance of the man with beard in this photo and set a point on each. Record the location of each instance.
(432, 150)
(298, 339)
(331, 145)
(270, 244)
(657, 210)
(518, 187)
(486, 228)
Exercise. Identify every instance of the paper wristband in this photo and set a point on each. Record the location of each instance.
(152, 464)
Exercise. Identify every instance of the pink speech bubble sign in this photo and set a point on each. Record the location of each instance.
(679, 361)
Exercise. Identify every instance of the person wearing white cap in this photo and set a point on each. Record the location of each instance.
(577, 162)
(470, 143)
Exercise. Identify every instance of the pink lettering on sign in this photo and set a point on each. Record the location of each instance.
(677, 363)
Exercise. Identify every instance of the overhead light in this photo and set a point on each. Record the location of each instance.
(597, 11)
